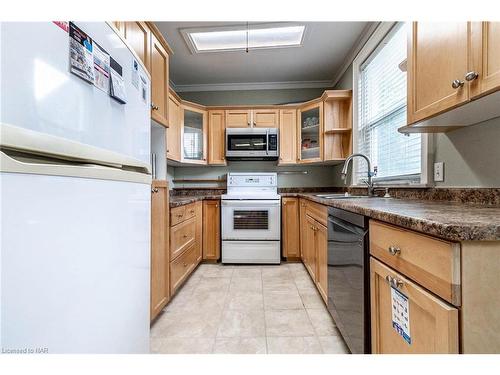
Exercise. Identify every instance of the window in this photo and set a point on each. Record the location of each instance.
(238, 37)
(381, 111)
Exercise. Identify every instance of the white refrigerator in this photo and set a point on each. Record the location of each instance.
(75, 197)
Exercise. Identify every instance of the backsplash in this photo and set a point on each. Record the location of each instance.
(288, 176)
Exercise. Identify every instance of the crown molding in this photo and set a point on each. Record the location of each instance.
(358, 45)
(253, 86)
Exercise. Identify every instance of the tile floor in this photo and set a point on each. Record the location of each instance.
(247, 310)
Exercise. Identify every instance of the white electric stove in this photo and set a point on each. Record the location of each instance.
(251, 218)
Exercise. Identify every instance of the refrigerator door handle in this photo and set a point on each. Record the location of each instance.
(33, 142)
(18, 162)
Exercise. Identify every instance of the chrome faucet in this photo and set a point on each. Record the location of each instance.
(369, 182)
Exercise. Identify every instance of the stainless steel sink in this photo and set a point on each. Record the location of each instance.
(339, 196)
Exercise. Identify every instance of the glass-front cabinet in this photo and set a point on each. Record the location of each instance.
(310, 130)
(194, 135)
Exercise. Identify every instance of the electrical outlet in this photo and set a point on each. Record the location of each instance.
(439, 172)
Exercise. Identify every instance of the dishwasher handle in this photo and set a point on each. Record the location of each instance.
(348, 226)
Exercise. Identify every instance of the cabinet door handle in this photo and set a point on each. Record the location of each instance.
(471, 76)
(394, 250)
(395, 282)
(456, 84)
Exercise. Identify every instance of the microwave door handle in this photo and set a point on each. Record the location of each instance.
(267, 142)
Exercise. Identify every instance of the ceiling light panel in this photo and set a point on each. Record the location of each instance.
(236, 39)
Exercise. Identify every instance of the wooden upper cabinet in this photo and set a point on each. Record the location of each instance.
(216, 137)
(485, 42)
(290, 227)
(437, 64)
(238, 118)
(159, 248)
(174, 129)
(288, 136)
(138, 35)
(321, 242)
(159, 82)
(433, 324)
(211, 229)
(310, 133)
(265, 118)
(194, 130)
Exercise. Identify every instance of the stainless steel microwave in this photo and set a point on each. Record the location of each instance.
(252, 144)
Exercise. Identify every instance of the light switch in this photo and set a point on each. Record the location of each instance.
(439, 172)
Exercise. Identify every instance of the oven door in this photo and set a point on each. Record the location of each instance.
(246, 144)
(251, 219)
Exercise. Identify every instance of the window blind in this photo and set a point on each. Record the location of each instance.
(193, 143)
(382, 110)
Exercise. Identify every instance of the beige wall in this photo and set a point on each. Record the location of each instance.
(471, 155)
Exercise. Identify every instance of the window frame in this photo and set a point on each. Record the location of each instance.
(383, 31)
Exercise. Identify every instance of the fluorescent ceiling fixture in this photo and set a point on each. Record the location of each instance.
(236, 38)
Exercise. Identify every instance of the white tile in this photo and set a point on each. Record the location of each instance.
(333, 345)
(294, 345)
(322, 322)
(281, 300)
(241, 323)
(288, 323)
(240, 345)
(245, 300)
(175, 345)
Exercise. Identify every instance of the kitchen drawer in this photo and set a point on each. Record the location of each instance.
(431, 262)
(433, 323)
(181, 213)
(318, 212)
(181, 268)
(182, 236)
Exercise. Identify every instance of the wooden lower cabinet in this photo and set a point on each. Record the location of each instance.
(211, 230)
(309, 258)
(198, 206)
(181, 268)
(433, 323)
(185, 242)
(321, 242)
(302, 224)
(160, 291)
(290, 228)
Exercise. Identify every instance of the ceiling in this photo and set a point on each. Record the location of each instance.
(327, 47)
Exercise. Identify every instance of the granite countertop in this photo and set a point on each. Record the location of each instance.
(448, 220)
(181, 200)
(453, 221)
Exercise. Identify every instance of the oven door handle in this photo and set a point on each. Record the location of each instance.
(251, 203)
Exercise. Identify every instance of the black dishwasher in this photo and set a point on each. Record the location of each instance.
(348, 277)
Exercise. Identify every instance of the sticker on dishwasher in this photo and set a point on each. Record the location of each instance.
(401, 314)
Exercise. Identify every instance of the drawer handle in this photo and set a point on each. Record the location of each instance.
(192, 211)
(184, 235)
(395, 282)
(179, 215)
(394, 250)
(184, 264)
